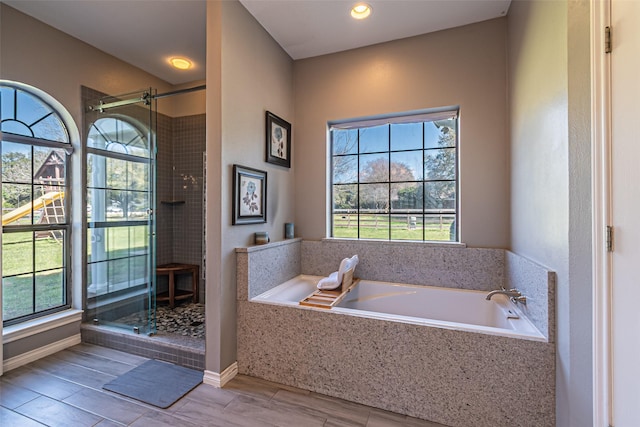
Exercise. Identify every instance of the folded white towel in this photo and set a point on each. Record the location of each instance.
(353, 261)
(329, 283)
(335, 279)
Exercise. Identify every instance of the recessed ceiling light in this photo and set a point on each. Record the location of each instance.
(360, 11)
(181, 63)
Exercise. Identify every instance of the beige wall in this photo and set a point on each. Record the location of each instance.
(579, 298)
(548, 62)
(463, 66)
(256, 75)
(213, 194)
(39, 55)
(538, 109)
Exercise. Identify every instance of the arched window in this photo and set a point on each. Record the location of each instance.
(119, 193)
(119, 136)
(36, 223)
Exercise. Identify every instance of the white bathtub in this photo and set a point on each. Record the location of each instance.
(449, 308)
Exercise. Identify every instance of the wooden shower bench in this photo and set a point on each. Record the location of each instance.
(178, 294)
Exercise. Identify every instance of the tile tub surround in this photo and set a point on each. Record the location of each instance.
(451, 377)
(415, 263)
(260, 268)
(266, 266)
(538, 284)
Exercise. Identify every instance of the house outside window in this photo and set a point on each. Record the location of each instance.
(35, 206)
(396, 178)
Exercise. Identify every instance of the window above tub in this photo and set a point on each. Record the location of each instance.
(396, 177)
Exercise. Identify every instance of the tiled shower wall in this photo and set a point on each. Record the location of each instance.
(189, 147)
(181, 146)
(164, 190)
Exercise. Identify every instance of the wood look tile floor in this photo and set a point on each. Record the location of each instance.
(65, 389)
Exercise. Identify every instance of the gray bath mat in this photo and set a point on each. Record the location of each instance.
(156, 383)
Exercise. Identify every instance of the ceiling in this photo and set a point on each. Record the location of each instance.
(145, 33)
(311, 28)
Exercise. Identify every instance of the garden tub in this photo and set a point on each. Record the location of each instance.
(450, 308)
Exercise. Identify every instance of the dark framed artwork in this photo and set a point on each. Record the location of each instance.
(249, 195)
(278, 140)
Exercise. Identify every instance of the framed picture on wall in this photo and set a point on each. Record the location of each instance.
(278, 140)
(249, 195)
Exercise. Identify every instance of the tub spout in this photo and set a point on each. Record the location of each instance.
(514, 294)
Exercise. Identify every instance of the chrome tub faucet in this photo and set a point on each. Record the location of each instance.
(515, 295)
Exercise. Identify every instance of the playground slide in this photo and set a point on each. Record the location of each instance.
(26, 209)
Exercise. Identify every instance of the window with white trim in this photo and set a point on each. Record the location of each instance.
(35, 206)
(395, 178)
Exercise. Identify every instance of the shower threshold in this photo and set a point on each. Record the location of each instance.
(179, 349)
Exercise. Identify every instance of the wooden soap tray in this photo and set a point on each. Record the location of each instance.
(328, 299)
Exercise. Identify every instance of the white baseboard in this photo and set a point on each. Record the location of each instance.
(219, 380)
(38, 353)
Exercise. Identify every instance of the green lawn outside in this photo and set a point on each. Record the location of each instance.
(17, 258)
(120, 240)
(17, 291)
(400, 229)
(17, 253)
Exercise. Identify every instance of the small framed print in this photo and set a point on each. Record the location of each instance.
(278, 140)
(249, 195)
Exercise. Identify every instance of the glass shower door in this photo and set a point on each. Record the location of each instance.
(120, 185)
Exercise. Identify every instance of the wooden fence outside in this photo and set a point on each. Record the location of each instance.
(442, 218)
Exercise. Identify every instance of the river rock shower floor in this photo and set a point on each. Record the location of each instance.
(185, 319)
